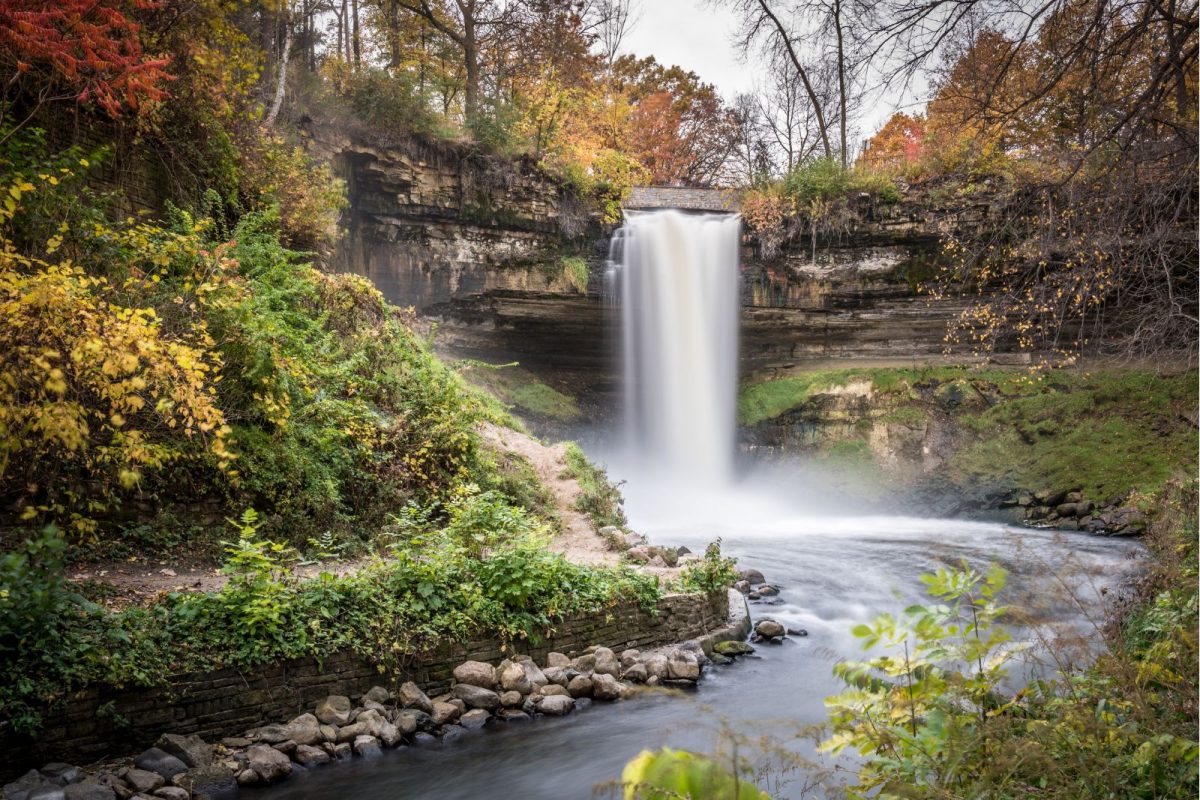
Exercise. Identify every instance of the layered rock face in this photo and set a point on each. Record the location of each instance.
(481, 246)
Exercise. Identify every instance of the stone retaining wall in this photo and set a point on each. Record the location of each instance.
(104, 722)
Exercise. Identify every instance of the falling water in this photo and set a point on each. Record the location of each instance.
(677, 283)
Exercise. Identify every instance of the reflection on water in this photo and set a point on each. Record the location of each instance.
(836, 571)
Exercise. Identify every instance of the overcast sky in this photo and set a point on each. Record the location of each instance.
(698, 37)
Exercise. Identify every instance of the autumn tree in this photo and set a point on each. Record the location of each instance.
(898, 144)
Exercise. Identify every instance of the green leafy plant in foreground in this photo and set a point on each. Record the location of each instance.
(711, 573)
(680, 775)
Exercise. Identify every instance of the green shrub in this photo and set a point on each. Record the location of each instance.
(599, 499)
(711, 573)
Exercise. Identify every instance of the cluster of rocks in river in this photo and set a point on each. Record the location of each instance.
(1070, 510)
(638, 550)
(518, 689)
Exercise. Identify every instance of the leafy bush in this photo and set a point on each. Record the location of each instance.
(599, 499)
(678, 774)
(714, 572)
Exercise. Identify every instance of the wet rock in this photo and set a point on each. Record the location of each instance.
(636, 673)
(721, 660)
(411, 696)
(513, 678)
(248, 777)
(730, 649)
(208, 782)
(742, 586)
(48, 791)
(580, 686)
(752, 576)
(606, 662)
(334, 710)
(476, 696)
(389, 734)
(533, 672)
(629, 657)
(424, 739)
(22, 786)
(310, 756)
(557, 705)
(557, 660)
(557, 675)
(767, 590)
(376, 694)
(90, 790)
(143, 780)
(409, 720)
(656, 666)
(453, 733)
(156, 760)
(797, 632)
(270, 764)
(585, 663)
(606, 687)
(305, 729)
(551, 689)
(474, 719)
(511, 699)
(512, 715)
(173, 793)
(476, 673)
(443, 713)
(191, 750)
(769, 629)
(683, 667)
(367, 746)
(61, 773)
(1050, 497)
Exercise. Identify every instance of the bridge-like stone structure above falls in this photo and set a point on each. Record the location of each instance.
(647, 198)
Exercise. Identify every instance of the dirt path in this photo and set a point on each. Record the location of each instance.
(577, 540)
(140, 580)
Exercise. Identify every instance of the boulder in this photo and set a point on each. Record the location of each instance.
(606, 662)
(552, 689)
(412, 719)
(175, 793)
(606, 687)
(270, 764)
(191, 750)
(443, 713)
(248, 777)
(334, 710)
(367, 746)
(309, 756)
(389, 734)
(556, 705)
(156, 760)
(474, 719)
(767, 590)
(209, 782)
(22, 786)
(143, 780)
(533, 673)
(305, 729)
(769, 629)
(90, 790)
(580, 686)
(752, 576)
(329, 733)
(682, 666)
(411, 696)
(557, 675)
(742, 586)
(272, 734)
(511, 699)
(49, 791)
(512, 715)
(629, 657)
(453, 733)
(376, 694)
(656, 667)
(636, 673)
(476, 673)
(477, 697)
(61, 773)
(557, 660)
(513, 678)
(639, 554)
(584, 664)
(733, 648)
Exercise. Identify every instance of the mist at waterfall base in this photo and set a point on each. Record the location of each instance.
(676, 299)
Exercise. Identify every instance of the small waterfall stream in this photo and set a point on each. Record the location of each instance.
(677, 287)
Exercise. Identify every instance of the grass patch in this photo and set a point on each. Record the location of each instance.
(575, 269)
(600, 498)
(511, 386)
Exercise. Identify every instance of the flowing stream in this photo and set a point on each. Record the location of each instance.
(678, 300)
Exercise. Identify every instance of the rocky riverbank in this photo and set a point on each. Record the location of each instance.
(340, 727)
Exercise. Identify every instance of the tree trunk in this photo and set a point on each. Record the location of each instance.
(471, 62)
(841, 55)
(803, 73)
(355, 38)
(281, 80)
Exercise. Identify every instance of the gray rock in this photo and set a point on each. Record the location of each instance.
(209, 782)
(628, 658)
(22, 786)
(742, 586)
(557, 660)
(424, 739)
(656, 666)
(639, 554)
(415, 719)
(411, 696)
(511, 699)
(272, 734)
(583, 703)
(191, 750)
(769, 629)
(443, 713)
(606, 687)
(533, 673)
(453, 733)
(513, 678)
(767, 590)
(165, 764)
(329, 732)
(512, 715)
(801, 632)
(476, 696)
(721, 660)
(171, 793)
(476, 673)
(606, 662)
(580, 686)
(474, 719)
(752, 576)
(367, 747)
(310, 756)
(683, 667)
(305, 729)
(143, 780)
(270, 764)
(334, 710)
(551, 689)
(557, 675)
(376, 694)
(61, 773)
(342, 750)
(233, 742)
(584, 664)
(389, 734)
(90, 790)
(556, 705)
(47, 791)
(636, 673)
(733, 648)
(248, 777)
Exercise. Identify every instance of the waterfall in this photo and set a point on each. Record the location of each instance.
(676, 278)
